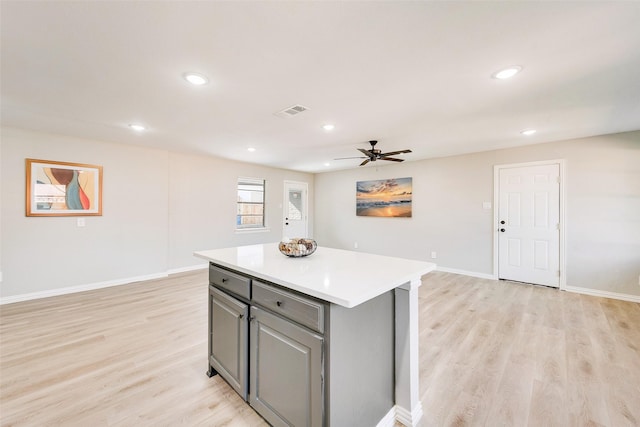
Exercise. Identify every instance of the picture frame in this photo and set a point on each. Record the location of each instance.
(56, 188)
(385, 197)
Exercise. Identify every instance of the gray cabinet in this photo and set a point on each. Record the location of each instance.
(228, 339)
(300, 361)
(286, 371)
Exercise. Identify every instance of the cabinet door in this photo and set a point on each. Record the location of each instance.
(286, 371)
(228, 339)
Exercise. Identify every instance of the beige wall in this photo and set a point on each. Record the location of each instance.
(602, 210)
(202, 213)
(158, 207)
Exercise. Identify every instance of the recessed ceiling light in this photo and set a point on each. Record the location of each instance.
(327, 164)
(196, 79)
(251, 149)
(137, 127)
(328, 127)
(528, 132)
(507, 72)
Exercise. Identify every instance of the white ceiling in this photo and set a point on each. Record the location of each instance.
(411, 74)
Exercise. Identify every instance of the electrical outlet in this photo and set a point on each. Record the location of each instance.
(81, 222)
(434, 255)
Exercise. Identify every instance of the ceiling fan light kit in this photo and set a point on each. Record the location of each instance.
(376, 154)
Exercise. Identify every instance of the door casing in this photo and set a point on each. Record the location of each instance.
(496, 200)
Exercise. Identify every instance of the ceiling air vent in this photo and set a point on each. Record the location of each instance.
(291, 111)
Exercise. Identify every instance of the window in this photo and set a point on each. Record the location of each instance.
(250, 203)
(295, 205)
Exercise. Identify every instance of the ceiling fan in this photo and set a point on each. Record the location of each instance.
(375, 154)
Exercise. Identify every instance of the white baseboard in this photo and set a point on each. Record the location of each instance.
(402, 416)
(81, 288)
(603, 294)
(576, 289)
(99, 285)
(389, 419)
(410, 419)
(187, 269)
(467, 273)
(125, 281)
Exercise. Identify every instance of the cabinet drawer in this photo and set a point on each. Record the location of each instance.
(229, 281)
(299, 309)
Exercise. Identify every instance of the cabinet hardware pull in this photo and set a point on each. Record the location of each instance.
(279, 303)
(240, 316)
(251, 318)
(224, 280)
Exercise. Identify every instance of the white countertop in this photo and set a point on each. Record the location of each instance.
(342, 277)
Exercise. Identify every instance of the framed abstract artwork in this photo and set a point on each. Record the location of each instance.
(384, 197)
(63, 189)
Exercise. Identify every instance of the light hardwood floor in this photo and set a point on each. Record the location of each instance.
(491, 354)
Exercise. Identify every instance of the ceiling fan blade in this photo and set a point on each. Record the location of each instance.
(372, 155)
(393, 153)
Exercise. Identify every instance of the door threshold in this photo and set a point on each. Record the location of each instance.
(528, 283)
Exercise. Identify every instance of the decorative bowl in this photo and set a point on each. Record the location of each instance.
(298, 247)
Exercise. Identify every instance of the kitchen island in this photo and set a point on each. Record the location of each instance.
(348, 320)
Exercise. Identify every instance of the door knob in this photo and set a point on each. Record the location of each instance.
(502, 230)
(502, 222)
(286, 223)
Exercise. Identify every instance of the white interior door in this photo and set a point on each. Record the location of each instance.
(295, 219)
(529, 224)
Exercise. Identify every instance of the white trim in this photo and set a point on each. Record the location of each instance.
(81, 288)
(389, 420)
(467, 273)
(603, 294)
(562, 282)
(187, 269)
(252, 230)
(575, 289)
(410, 419)
(413, 284)
(402, 416)
(407, 357)
(563, 225)
(263, 226)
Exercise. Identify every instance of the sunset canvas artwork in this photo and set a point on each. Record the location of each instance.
(384, 198)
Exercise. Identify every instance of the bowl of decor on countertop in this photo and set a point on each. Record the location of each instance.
(297, 247)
